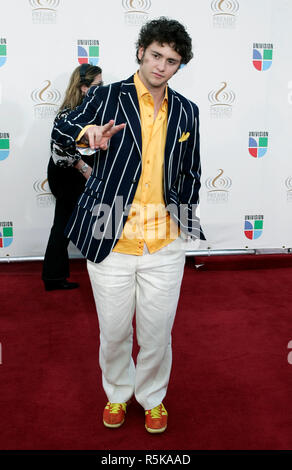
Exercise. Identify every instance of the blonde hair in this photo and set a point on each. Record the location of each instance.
(73, 95)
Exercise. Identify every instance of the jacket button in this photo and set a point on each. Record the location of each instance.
(134, 181)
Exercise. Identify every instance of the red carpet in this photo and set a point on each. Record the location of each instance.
(231, 384)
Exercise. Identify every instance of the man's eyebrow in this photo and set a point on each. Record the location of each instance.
(168, 58)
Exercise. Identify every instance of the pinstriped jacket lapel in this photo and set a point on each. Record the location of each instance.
(174, 116)
(130, 105)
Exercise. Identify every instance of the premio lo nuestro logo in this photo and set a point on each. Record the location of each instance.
(288, 184)
(88, 51)
(258, 144)
(4, 145)
(262, 56)
(3, 51)
(218, 188)
(224, 13)
(253, 226)
(44, 11)
(136, 11)
(6, 234)
(221, 101)
(46, 101)
(44, 196)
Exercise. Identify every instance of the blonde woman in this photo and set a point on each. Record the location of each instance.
(67, 177)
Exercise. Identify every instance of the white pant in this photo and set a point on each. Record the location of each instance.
(150, 284)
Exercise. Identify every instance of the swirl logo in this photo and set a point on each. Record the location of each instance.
(221, 102)
(44, 196)
(44, 4)
(42, 187)
(288, 183)
(46, 101)
(224, 13)
(218, 188)
(222, 96)
(46, 95)
(225, 7)
(136, 5)
(44, 11)
(219, 183)
(136, 11)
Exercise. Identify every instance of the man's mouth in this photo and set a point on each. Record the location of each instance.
(157, 75)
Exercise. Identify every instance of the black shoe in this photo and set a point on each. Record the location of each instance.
(60, 284)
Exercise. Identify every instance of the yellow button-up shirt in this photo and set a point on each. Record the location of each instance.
(148, 220)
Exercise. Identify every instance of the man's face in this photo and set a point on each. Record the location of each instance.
(158, 64)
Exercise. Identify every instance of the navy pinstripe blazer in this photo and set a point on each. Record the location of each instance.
(111, 187)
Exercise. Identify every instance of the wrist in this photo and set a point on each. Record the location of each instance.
(83, 168)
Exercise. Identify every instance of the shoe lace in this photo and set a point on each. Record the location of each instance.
(156, 412)
(115, 407)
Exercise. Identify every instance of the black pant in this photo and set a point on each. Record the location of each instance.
(66, 185)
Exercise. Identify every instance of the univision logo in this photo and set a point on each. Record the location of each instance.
(46, 101)
(44, 196)
(4, 145)
(218, 188)
(88, 51)
(262, 56)
(6, 234)
(221, 101)
(253, 226)
(224, 13)
(44, 11)
(3, 51)
(136, 11)
(258, 144)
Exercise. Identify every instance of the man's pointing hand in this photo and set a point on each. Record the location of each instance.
(98, 136)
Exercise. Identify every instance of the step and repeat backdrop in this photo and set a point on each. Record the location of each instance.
(240, 77)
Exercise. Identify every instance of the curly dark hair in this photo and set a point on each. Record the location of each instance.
(166, 31)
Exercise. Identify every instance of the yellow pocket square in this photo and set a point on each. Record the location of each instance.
(184, 137)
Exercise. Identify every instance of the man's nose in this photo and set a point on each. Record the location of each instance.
(161, 65)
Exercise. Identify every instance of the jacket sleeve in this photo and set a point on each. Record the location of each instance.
(66, 130)
(190, 181)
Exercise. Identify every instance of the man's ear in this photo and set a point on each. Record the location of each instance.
(140, 53)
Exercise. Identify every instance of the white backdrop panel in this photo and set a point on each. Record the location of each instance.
(38, 51)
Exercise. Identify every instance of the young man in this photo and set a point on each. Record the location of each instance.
(128, 223)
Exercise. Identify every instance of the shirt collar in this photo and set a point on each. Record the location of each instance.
(142, 90)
